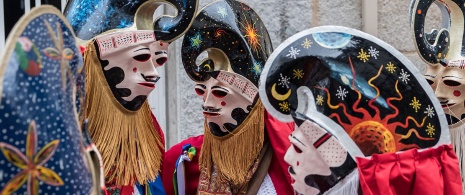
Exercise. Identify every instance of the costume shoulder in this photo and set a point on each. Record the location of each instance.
(192, 168)
(278, 132)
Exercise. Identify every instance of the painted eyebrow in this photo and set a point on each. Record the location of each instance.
(293, 137)
(142, 49)
(451, 77)
(214, 87)
(203, 86)
(432, 76)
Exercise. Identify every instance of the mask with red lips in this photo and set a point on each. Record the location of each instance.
(226, 105)
(129, 60)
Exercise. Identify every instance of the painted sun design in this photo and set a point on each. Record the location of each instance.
(319, 100)
(298, 73)
(284, 106)
(32, 164)
(363, 56)
(415, 104)
(390, 67)
(59, 52)
(430, 130)
(251, 34)
(196, 41)
(372, 133)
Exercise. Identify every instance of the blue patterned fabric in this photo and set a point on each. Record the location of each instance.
(40, 139)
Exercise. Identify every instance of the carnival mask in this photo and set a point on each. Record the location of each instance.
(442, 50)
(448, 85)
(238, 45)
(228, 99)
(310, 140)
(362, 96)
(129, 60)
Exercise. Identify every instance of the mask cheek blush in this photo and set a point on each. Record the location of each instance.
(457, 93)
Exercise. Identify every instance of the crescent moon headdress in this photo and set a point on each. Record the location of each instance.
(355, 87)
(41, 140)
(354, 79)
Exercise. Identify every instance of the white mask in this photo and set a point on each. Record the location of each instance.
(313, 151)
(129, 60)
(448, 84)
(227, 101)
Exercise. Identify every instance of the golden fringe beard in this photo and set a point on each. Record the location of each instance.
(129, 144)
(234, 154)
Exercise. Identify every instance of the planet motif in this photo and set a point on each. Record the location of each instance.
(332, 39)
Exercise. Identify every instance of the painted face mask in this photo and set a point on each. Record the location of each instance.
(315, 175)
(361, 98)
(227, 100)
(448, 85)
(129, 60)
(239, 46)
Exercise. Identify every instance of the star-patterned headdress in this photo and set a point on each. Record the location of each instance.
(234, 37)
(360, 82)
(90, 18)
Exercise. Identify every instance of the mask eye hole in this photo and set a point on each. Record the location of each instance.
(142, 57)
(451, 83)
(297, 149)
(219, 93)
(430, 82)
(199, 91)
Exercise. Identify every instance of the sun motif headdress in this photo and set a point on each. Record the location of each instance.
(113, 31)
(41, 143)
(359, 90)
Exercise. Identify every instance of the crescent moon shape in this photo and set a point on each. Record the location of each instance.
(209, 67)
(278, 96)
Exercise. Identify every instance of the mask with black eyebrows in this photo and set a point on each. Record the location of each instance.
(129, 60)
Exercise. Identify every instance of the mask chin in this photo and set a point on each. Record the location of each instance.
(238, 114)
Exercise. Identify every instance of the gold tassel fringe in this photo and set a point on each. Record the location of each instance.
(234, 154)
(127, 140)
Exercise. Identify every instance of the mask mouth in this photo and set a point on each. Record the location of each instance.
(150, 81)
(445, 104)
(210, 111)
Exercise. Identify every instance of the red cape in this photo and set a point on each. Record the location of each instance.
(278, 132)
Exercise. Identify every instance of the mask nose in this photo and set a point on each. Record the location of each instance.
(440, 90)
(209, 100)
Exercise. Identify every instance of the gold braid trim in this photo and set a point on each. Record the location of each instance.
(126, 139)
(234, 154)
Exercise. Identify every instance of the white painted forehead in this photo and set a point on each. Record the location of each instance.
(114, 42)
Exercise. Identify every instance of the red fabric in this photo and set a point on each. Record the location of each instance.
(279, 132)
(192, 168)
(433, 171)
